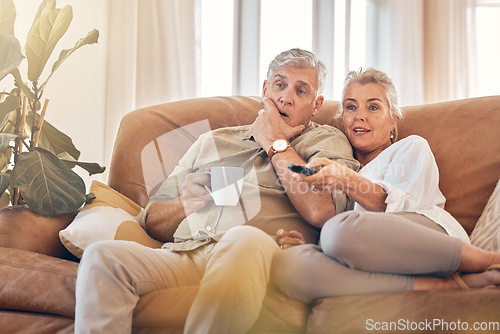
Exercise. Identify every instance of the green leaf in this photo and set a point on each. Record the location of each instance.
(91, 167)
(11, 103)
(56, 142)
(9, 122)
(47, 185)
(5, 139)
(43, 37)
(91, 38)
(7, 16)
(10, 54)
(4, 182)
(5, 158)
(44, 6)
(19, 82)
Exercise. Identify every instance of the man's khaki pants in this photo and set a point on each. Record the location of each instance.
(232, 275)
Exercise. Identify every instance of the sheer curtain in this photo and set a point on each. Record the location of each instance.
(246, 47)
(449, 50)
(153, 56)
(395, 44)
(427, 46)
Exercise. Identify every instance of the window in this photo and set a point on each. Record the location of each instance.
(488, 47)
(336, 30)
(349, 42)
(216, 47)
(280, 25)
(285, 24)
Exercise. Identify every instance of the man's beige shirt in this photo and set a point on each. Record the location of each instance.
(263, 201)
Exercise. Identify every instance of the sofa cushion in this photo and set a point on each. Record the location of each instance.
(37, 282)
(110, 216)
(24, 322)
(370, 313)
(486, 234)
(281, 314)
(466, 147)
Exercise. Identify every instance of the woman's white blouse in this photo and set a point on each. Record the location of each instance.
(409, 174)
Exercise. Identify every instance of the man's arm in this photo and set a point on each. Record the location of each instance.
(164, 216)
(316, 207)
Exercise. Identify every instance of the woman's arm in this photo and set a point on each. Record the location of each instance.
(369, 195)
(333, 176)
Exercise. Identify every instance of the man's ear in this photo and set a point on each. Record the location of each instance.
(317, 104)
(264, 88)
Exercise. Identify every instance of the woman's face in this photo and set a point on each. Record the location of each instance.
(367, 119)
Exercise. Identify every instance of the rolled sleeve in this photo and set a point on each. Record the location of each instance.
(397, 200)
(325, 141)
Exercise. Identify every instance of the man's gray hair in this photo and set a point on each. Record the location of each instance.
(300, 59)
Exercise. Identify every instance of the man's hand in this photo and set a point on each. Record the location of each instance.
(164, 217)
(289, 239)
(269, 126)
(194, 195)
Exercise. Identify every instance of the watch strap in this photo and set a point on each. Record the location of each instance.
(272, 151)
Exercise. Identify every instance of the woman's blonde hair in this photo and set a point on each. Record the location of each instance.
(372, 75)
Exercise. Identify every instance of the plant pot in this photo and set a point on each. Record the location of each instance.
(21, 228)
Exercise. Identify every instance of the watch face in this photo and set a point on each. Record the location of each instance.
(280, 145)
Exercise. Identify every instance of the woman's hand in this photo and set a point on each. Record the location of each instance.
(331, 175)
(289, 239)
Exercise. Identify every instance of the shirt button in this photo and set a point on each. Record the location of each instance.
(209, 228)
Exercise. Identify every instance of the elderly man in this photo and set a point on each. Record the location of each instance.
(226, 250)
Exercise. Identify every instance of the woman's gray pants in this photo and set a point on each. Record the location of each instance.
(366, 252)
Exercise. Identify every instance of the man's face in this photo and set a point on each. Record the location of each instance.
(294, 90)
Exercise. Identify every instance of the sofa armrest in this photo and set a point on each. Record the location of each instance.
(21, 228)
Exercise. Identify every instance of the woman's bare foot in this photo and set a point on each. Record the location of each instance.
(476, 260)
(475, 280)
(481, 280)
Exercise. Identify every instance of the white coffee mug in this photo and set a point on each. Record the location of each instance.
(226, 184)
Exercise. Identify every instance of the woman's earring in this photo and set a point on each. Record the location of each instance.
(392, 135)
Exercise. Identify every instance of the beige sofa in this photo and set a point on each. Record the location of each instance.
(37, 274)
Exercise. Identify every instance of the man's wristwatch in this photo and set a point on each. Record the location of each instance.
(279, 145)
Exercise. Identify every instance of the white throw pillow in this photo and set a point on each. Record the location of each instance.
(486, 234)
(110, 216)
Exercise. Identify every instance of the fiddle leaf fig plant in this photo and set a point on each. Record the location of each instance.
(41, 176)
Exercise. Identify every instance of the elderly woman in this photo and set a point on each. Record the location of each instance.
(398, 237)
